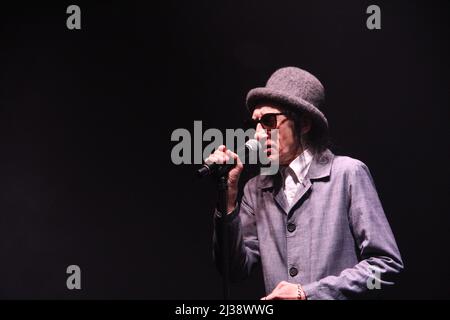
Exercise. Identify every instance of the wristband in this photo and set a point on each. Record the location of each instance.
(300, 293)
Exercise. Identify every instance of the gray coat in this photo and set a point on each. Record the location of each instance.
(335, 240)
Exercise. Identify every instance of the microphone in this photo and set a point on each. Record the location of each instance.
(250, 149)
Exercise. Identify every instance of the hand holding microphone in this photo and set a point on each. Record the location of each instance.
(224, 157)
(224, 161)
(220, 157)
(219, 162)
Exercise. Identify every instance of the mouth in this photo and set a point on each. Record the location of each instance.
(270, 150)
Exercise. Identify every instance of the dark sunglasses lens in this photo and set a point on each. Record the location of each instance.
(269, 121)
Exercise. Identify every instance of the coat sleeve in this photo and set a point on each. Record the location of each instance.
(380, 259)
(243, 242)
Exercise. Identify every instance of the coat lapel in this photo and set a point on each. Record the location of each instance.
(304, 189)
(320, 168)
(280, 199)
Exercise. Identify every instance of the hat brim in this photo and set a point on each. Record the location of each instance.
(258, 95)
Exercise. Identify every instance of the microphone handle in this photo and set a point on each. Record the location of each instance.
(222, 169)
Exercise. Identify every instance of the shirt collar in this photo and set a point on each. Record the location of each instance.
(299, 166)
(320, 168)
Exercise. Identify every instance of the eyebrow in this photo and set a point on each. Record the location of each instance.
(254, 117)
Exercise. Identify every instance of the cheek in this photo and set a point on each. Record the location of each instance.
(281, 142)
(285, 142)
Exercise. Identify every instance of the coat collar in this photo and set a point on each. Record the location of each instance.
(320, 168)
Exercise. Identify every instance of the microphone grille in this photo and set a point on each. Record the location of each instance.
(253, 145)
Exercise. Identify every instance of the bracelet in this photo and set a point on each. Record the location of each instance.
(300, 293)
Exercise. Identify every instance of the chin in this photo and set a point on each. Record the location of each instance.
(273, 158)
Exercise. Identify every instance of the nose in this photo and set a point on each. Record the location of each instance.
(260, 133)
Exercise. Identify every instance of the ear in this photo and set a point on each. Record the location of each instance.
(305, 123)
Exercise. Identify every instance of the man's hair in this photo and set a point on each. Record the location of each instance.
(317, 138)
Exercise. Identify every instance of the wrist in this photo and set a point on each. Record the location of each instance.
(231, 204)
(301, 295)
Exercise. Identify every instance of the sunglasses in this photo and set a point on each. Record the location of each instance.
(268, 121)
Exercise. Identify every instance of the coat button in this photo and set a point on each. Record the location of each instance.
(291, 227)
(293, 271)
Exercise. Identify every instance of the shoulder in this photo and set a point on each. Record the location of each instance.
(349, 167)
(345, 163)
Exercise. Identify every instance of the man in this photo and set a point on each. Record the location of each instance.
(317, 226)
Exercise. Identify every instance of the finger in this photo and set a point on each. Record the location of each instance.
(219, 157)
(224, 157)
(272, 296)
(211, 159)
(235, 157)
(231, 158)
(219, 151)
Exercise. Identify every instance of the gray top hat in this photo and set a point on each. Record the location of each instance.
(295, 88)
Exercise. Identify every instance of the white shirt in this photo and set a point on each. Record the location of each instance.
(294, 174)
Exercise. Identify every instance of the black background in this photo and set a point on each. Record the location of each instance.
(86, 119)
